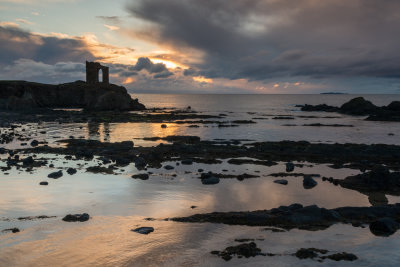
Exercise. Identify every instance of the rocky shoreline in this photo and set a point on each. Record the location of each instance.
(378, 166)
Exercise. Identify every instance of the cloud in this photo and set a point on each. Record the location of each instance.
(24, 21)
(265, 40)
(110, 19)
(111, 28)
(27, 69)
(16, 43)
(159, 69)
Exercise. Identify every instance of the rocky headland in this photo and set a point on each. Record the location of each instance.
(23, 95)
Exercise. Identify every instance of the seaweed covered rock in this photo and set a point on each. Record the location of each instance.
(246, 250)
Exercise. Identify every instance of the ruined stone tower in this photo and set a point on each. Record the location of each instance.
(92, 72)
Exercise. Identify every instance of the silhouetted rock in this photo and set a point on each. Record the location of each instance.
(13, 230)
(44, 183)
(209, 179)
(358, 106)
(282, 181)
(343, 256)
(384, 227)
(187, 162)
(309, 182)
(34, 143)
(246, 250)
(321, 107)
(379, 179)
(169, 167)
(143, 230)
(71, 171)
(28, 161)
(289, 167)
(309, 218)
(76, 217)
(142, 176)
(22, 95)
(55, 175)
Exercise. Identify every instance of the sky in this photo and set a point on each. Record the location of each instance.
(207, 46)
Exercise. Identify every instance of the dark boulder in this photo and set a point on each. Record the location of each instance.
(71, 171)
(169, 167)
(76, 217)
(141, 176)
(209, 179)
(44, 183)
(143, 230)
(28, 161)
(309, 182)
(384, 227)
(140, 163)
(394, 106)
(187, 162)
(281, 181)
(55, 175)
(358, 106)
(34, 143)
(289, 167)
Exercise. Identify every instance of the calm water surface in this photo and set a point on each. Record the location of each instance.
(118, 203)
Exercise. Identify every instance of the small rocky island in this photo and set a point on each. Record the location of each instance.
(89, 95)
(360, 107)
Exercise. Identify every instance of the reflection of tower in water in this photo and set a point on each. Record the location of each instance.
(99, 131)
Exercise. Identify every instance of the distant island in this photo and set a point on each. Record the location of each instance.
(334, 93)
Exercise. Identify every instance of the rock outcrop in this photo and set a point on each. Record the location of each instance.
(22, 95)
(360, 106)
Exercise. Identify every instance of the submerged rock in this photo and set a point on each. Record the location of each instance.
(309, 253)
(310, 218)
(143, 230)
(142, 176)
(76, 217)
(209, 179)
(169, 167)
(343, 256)
(281, 181)
(246, 250)
(13, 230)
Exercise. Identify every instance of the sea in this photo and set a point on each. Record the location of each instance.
(117, 203)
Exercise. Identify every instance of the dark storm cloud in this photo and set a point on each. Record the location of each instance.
(158, 69)
(16, 43)
(268, 39)
(144, 63)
